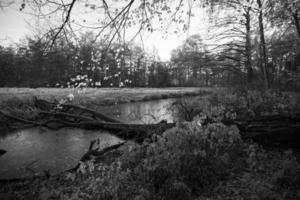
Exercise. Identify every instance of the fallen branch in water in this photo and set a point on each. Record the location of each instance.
(76, 110)
(74, 116)
(98, 154)
(64, 116)
(279, 128)
(136, 132)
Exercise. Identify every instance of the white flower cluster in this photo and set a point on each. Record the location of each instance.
(127, 81)
(98, 84)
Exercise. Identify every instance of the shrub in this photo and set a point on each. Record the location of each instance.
(225, 105)
(188, 157)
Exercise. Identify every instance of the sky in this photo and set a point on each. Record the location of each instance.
(14, 25)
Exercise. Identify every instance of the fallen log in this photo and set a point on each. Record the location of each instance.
(286, 136)
(136, 132)
(69, 108)
(64, 116)
(283, 128)
(94, 114)
(272, 130)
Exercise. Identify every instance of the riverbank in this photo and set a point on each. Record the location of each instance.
(20, 101)
(194, 160)
(95, 96)
(180, 165)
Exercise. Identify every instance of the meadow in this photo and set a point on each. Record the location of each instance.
(95, 96)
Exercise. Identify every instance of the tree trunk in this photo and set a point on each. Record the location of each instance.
(248, 63)
(297, 24)
(206, 78)
(263, 45)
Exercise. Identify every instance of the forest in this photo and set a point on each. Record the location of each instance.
(256, 46)
(92, 108)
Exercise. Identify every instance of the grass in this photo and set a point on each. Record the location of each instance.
(94, 96)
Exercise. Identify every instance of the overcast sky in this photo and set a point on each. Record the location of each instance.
(15, 25)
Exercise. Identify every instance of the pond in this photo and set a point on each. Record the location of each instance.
(35, 150)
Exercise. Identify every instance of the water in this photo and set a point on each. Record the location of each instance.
(34, 150)
(141, 112)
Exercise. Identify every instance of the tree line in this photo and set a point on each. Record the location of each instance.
(87, 64)
(252, 42)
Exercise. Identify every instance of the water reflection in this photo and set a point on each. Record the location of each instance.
(34, 150)
(141, 112)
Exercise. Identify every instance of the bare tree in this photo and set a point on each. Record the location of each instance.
(110, 19)
(236, 26)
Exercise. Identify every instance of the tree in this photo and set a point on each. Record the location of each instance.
(236, 26)
(190, 60)
(105, 55)
(284, 13)
(263, 45)
(110, 20)
(7, 67)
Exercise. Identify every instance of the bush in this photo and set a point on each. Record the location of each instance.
(225, 105)
(188, 157)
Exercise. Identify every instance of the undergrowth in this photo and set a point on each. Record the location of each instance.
(191, 161)
(186, 162)
(240, 104)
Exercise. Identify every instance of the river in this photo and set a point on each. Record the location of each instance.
(34, 150)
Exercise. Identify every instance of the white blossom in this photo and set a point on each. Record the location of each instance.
(70, 97)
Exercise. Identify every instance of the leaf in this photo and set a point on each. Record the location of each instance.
(71, 176)
(45, 194)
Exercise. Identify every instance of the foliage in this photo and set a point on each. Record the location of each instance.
(189, 161)
(287, 10)
(226, 105)
(234, 53)
(86, 64)
(189, 155)
(190, 60)
(186, 162)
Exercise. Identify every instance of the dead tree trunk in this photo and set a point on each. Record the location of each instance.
(136, 132)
